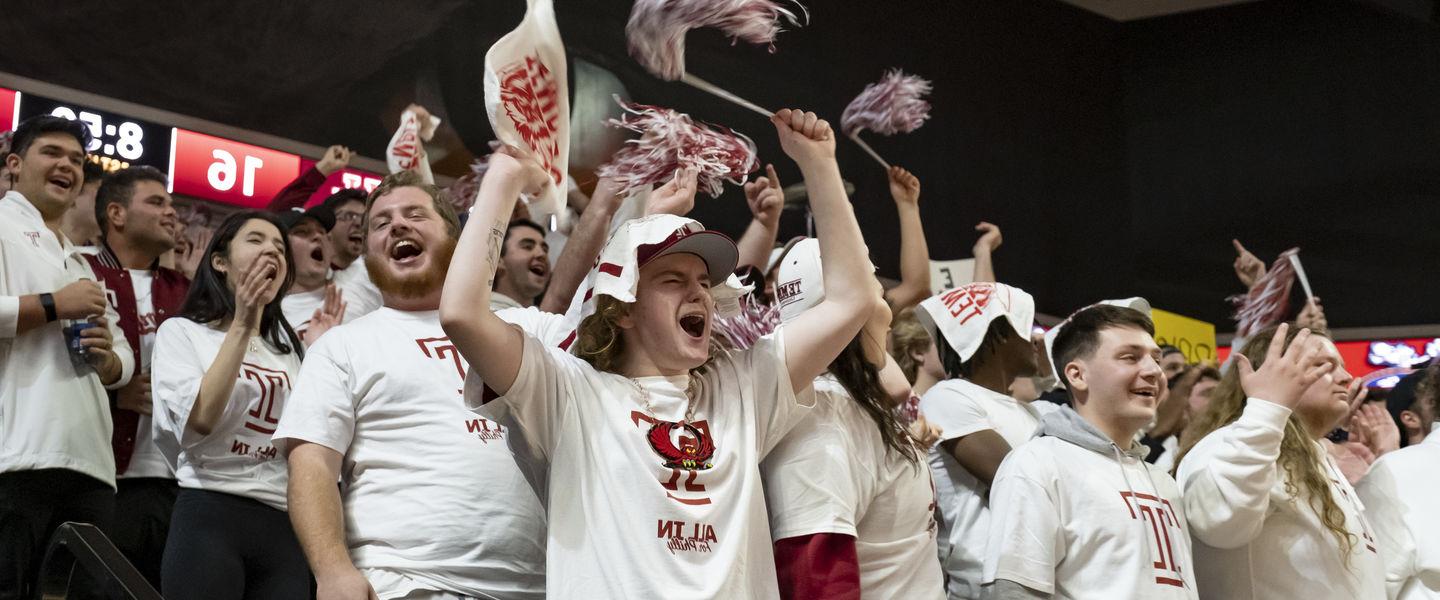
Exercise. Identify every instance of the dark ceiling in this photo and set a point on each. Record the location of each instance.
(1120, 158)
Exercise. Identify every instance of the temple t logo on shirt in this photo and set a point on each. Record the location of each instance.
(680, 446)
(274, 385)
(441, 348)
(1164, 529)
(34, 238)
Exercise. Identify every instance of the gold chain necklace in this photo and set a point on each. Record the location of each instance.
(650, 410)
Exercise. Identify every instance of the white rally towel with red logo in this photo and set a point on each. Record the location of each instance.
(407, 147)
(964, 314)
(526, 98)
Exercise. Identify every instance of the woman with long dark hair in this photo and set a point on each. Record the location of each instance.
(1270, 512)
(221, 376)
(852, 505)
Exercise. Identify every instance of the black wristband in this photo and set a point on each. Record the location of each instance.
(47, 302)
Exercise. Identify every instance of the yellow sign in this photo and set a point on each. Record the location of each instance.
(1194, 337)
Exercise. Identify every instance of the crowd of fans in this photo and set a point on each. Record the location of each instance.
(656, 411)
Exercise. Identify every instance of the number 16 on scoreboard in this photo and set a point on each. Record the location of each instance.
(218, 169)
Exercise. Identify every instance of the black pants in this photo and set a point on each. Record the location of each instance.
(226, 547)
(32, 505)
(142, 522)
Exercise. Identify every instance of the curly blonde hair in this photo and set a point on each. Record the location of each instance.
(1302, 461)
(908, 338)
(599, 342)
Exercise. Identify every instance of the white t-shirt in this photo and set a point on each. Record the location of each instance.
(431, 491)
(1077, 524)
(361, 295)
(1399, 494)
(146, 460)
(961, 408)
(50, 416)
(833, 474)
(299, 307)
(651, 508)
(237, 457)
(1253, 540)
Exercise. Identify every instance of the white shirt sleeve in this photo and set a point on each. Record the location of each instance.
(778, 408)
(1226, 479)
(180, 358)
(956, 414)
(541, 394)
(812, 482)
(120, 346)
(321, 409)
(9, 315)
(1385, 512)
(1026, 541)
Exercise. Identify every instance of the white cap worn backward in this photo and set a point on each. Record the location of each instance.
(963, 314)
(1136, 303)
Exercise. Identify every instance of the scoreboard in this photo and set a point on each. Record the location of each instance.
(198, 164)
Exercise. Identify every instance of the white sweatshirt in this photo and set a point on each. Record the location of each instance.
(1253, 539)
(1399, 494)
(1073, 517)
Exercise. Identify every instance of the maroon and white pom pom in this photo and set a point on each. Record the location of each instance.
(657, 28)
(1267, 301)
(670, 141)
(462, 192)
(756, 320)
(895, 104)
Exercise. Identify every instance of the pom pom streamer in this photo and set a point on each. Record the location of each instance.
(755, 320)
(1266, 302)
(895, 104)
(656, 30)
(670, 141)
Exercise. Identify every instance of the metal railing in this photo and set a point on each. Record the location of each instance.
(83, 545)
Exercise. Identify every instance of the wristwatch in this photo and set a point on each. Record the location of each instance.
(47, 302)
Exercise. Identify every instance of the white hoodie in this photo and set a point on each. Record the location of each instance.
(1256, 541)
(1072, 516)
(1399, 494)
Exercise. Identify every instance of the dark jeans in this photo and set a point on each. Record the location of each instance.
(32, 505)
(227, 547)
(142, 522)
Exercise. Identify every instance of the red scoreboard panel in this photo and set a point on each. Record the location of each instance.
(9, 109)
(235, 173)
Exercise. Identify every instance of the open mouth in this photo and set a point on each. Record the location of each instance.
(539, 269)
(693, 325)
(1145, 393)
(62, 182)
(317, 255)
(405, 251)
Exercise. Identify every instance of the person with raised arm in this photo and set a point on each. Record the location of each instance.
(657, 436)
(1271, 512)
(852, 505)
(914, 254)
(766, 200)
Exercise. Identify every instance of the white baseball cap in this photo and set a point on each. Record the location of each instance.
(1137, 303)
(962, 315)
(799, 280)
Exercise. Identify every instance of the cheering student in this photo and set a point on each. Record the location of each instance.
(347, 245)
(524, 268)
(982, 332)
(658, 439)
(431, 503)
(1398, 493)
(221, 376)
(1077, 512)
(137, 218)
(315, 303)
(55, 459)
(852, 507)
(1271, 513)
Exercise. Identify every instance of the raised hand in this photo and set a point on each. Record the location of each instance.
(765, 197)
(1312, 316)
(80, 300)
(256, 289)
(676, 197)
(1287, 371)
(989, 238)
(509, 163)
(1247, 267)
(330, 314)
(805, 137)
(336, 157)
(904, 186)
(1372, 426)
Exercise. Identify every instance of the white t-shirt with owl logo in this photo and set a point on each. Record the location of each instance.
(641, 503)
